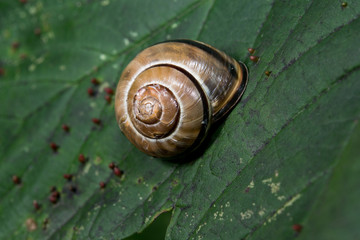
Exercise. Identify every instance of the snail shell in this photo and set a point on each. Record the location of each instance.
(172, 92)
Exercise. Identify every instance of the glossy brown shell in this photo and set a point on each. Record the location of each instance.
(170, 94)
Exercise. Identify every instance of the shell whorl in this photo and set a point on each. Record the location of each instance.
(171, 93)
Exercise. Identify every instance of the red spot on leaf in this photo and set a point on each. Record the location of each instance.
(297, 228)
(54, 146)
(118, 172)
(95, 81)
(254, 59)
(36, 205)
(96, 121)
(102, 185)
(111, 165)
(54, 197)
(91, 92)
(66, 128)
(108, 99)
(68, 176)
(109, 91)
(55, 194)
(82, 158)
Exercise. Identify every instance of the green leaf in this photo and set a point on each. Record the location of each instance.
(286, 158)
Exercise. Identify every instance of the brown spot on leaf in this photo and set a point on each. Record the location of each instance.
(36, 205)
(30, 224)
(15, 45)
(37, 31)
(16, 179)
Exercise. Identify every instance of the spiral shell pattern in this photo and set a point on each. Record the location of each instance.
(171, 93)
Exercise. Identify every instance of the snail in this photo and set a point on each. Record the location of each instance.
(172, 92)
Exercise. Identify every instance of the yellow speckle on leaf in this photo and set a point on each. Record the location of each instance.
(133, 34)
(97, 160)
(32, 10)
(147, 219)
(281, 198)
(200, 226)
(62, 67)
(103, 57)
(267, 180)
(286, 205)
(262, 211)
(275, 187)
(251, 184)
(246, 215)
(105, 2)
(174, 25)
(93, 104)
(87, 168)
(32, 67)
(40, 60)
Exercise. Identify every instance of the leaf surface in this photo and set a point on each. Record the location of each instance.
(286, 156)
